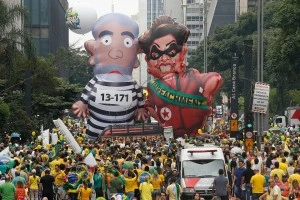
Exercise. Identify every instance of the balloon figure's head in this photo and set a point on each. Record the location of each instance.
(164, 45)
(114, 50)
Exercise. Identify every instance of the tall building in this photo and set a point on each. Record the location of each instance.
(46, 23)
(245, 5)
(174, 9)
(221, 12)
(194, 21)
(149, 10)
(19, 23)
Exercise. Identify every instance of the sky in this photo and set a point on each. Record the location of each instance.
(127, 7)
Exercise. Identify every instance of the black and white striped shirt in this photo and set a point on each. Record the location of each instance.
(110, 103)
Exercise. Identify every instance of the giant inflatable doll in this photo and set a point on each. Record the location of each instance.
(112, 96)
(178, 97)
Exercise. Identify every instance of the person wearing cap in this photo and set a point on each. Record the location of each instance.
(34, 182)
(257, 182)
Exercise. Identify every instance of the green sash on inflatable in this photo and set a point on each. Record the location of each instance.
(176, 97)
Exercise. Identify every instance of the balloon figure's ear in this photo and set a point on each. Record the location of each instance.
(136, 63)
(90, 48)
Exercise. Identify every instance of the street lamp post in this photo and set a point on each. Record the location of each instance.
(260, 64)
(205, 36)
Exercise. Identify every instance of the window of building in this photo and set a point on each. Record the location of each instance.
(193, 43)
(193, 26)
(44, 12)
(36, 43)
(35, 12)
(44, 33)
(192, 18)
(27, 16)
(35, 32)
(190, 1)
(44, 47)
(194, 34)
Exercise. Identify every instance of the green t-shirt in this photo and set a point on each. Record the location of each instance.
(7, 191)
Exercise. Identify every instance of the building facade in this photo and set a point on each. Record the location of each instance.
(221, 12)
(45, 21)
(149, 10)
(245, 5)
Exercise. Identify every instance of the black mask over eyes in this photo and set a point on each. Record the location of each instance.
(171, 51)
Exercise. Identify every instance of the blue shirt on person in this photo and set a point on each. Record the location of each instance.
(238, 173)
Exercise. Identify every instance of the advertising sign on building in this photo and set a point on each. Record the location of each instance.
(261, 98)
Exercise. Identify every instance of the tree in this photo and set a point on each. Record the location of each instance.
(4, 113)
(10, 37)
(281, 48)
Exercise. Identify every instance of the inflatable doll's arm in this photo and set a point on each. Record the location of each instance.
(211, 82)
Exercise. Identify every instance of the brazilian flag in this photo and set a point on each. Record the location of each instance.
(73, 181)
(54, 153)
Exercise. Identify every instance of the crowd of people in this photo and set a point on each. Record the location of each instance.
(147, 169)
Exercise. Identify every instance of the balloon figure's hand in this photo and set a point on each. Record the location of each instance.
(80, 109)
(212, 84)
(142, 114)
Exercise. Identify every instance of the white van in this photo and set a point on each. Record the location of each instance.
(198, 168)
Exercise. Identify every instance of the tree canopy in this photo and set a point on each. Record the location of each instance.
(281, 51)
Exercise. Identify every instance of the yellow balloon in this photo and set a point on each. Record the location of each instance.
(200, 131)
(145, 92)
(33, 133)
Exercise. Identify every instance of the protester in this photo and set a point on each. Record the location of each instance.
(34, 182)
(47, 182)
(7, 189)
(221, 186)
(146, 189)
(174, 190)
(257, 183)
(21, 192)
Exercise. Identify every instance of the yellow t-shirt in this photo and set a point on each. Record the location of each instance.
(45, 157)
(156, 183)
(294, 177)
(130, 185)
(59, 177)
(34, 182)
(162, 177)
(279, 173)
(258, 182)
(171, 191)
(85, 193)
(146, 190)
(283, 166)
(53, 163)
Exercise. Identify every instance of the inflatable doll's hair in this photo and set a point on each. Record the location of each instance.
(162, 26)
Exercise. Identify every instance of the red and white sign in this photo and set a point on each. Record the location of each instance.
(261, 97)
(295, 116)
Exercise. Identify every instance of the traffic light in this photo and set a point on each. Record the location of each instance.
(249, 125)
(249, 122)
